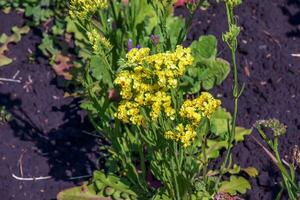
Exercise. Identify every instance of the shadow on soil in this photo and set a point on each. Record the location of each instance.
(66, 148)
(293, 18)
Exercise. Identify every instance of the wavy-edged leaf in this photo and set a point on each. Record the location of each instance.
(235, 185)
(80, 193)
(204, 48)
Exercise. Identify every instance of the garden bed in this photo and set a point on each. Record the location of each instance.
(46, 133)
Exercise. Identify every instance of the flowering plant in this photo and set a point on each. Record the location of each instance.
(287, 169)
(148, 96)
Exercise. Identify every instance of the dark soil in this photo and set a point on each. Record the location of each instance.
(46, 132)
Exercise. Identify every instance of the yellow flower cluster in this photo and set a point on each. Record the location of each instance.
(193, 111)
(130, 112)
(97, 41)
(184, 134)
(86, 8)
(202, 106)
(148, 81)
(169, 66)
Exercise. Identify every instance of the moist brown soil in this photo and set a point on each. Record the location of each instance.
(46, 133)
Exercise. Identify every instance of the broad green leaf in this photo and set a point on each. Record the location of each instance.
(204, 48)
(145, 12)
(207, 71)
(214, 147)
(240, 133)
(112, 181)
(235, 185)
(220, 122)
(100, 70)
(80, 193)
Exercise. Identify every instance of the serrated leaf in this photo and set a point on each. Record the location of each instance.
(240, 133)
(235, 185)
(251, 171)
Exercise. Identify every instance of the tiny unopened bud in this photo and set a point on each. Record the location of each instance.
(113, 95)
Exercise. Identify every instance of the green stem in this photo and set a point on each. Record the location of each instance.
(174, 171)
(203, 146)
(142, 160)
(235, 93)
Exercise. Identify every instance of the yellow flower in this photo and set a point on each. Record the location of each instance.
(137, 56)
(130, 112)
(184, 134)
(202, 106)
(86, 8)
(147, 80)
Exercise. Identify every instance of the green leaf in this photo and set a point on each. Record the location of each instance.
(240, 133)
(214, 147)
(220, 122)
(47, 46)
(204, 48)
(113, 181)
(235, 169)
(251, 171)
(72, 27)
(174, 27)
(207, 71)
(5, 60)
(100, 71)
(235, 185)
(79, 193)
(3, 38)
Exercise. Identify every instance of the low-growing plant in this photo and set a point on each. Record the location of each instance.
(147, 94)
(5, 116)
(287, 169)
(5, 40)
